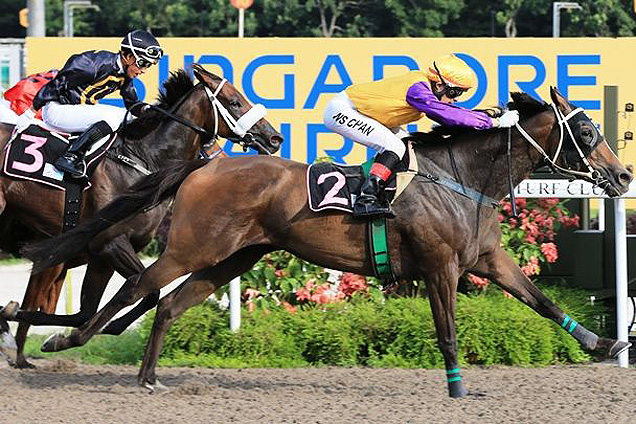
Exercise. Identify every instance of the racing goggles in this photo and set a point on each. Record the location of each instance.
(450, 91)
(143, 63)
(454, 92)
(147, 56)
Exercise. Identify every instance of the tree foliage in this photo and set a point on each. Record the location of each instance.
(334, 18)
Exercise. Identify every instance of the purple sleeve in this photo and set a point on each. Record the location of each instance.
(420, 96)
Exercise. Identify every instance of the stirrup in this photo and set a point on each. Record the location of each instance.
(71, 167)
(370, 209)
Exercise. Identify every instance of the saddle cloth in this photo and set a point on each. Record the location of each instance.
(335, 187)
(30, 155)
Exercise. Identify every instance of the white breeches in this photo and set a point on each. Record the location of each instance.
(7, 115)
(341, 117)
(78, 118)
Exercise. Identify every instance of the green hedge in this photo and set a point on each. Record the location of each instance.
(491, 329)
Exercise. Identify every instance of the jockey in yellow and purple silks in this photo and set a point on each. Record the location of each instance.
(372, 113)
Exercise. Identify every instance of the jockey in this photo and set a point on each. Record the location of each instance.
(69, 101)
(372, 113)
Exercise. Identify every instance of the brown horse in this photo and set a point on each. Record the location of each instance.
(437, 234)
(154, 141)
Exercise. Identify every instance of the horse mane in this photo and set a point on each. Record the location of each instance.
(527, 106)
(174, 89)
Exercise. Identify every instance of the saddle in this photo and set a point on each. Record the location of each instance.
(30, 155)
(332, 186)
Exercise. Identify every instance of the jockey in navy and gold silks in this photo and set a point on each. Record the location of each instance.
(372, 113)
(69, 102)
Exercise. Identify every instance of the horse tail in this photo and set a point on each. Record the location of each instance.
(146, 193)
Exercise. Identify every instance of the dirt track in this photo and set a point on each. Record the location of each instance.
(64, 392)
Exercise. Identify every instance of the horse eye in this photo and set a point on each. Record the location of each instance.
(235, 103)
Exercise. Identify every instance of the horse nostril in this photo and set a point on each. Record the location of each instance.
(276, 140)
(625, 178)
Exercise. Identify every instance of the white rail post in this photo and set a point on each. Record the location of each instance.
(621, 279)
(235, 304)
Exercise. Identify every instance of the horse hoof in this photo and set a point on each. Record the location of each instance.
(54, 343)
(10, 311)
(23, 364)
(155, 388)
(617, 348)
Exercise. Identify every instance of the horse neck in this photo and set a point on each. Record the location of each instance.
(481, 162)
(172, 140)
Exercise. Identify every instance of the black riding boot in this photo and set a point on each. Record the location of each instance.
(372, 200)
(72, 161)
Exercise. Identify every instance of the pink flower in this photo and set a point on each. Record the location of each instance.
(289, 307)
(550, 252)
(532, 267)
(280, 273)
(251, 293)
(479, 282)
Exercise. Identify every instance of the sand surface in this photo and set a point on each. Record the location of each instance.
(61, 391)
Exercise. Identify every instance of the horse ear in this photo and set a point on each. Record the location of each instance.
(203, 75)
(559, 100)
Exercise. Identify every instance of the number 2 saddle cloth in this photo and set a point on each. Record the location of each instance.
(30, 156)
(333, 186)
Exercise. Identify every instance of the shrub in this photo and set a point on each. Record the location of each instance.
(491, 329)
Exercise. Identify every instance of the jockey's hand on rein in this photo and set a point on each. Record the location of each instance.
(508, 119)
(138, 108)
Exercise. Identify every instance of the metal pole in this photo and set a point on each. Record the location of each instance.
(556, 14)
(241, 23)
(556, 19)
(37, 23)
(621, 280)
(70, 20)
(235, 304)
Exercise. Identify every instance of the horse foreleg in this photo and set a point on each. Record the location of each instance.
(98, 274)
(159, 274)
(499, 267)
(198, 287)
(442, 288)
(121, 255)
(43, 293)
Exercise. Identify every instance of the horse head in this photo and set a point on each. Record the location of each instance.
(583, 152)
(240, 121)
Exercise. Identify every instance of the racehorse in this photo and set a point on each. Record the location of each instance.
(207, 110)
(437, 235)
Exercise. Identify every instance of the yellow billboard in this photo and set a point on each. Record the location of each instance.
(295, 77)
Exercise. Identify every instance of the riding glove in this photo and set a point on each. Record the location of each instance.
(508, 119)
(24, 120)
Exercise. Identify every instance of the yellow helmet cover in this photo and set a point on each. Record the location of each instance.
(454, 71)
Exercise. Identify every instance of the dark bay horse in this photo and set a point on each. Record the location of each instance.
(437, 234)
(153, 141)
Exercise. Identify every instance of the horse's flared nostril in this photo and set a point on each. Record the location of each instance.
(275, 140)
(625, 178)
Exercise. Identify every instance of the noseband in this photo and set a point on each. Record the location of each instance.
(239, 127)
(562, 120)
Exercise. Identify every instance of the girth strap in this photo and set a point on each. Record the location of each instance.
(461, 189)
(72, 205)
(379, 249)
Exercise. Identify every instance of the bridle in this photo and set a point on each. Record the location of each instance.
(562, 120)
(241, 126)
